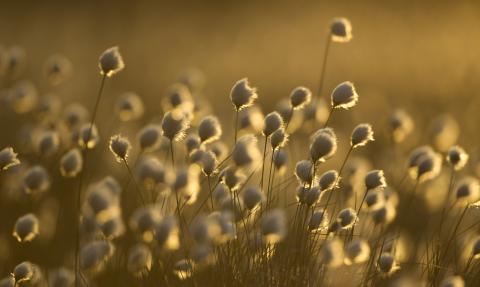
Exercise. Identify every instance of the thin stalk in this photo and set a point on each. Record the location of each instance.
(263, 161)
(172, 154)
(137, 188)
(324, 64)
(329, 117)
(236, 127)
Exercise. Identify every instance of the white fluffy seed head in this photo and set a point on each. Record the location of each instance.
(347, 218)
(252, 120)
(242, 95)
(95, 255)
(273, 226)
(71, 163)
(150, 137)
(47, 143)
(26, 228)
(357, 251)
(110, 62)
(304, 171)
(429, 166)
(344, 96)
(444, 132)
(252, 197)
(318, 221)
(323, 145)
(120, 147)
(8, 158)
(209, 129)
(24, 272)
(278, 138)
(24, 97)
(273, 121)
(457, 157)
(328, 180)
(300, 97)
(174, 125)
(61, 277)
(88, 136)
(57, 69)
(167, 234)
(400, 125)
(179, 98)
(209, 163)
(129, 107)
(246, 154)
(375, 179)
(187, 183)
(192, 142)
(361, 135)
(387, 264)
(36, 180)
(152, 174)
(280, 160)
(140, 259)
(467, 190)
(385, 214)
(453, 281)
(74, 115)
(341, 30)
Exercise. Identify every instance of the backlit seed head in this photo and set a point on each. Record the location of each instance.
(273, 226)
(24, 272)
(75, 114)
(344, 96)
(224, 219)
(24, 97)
(8, 158)
(328, 180)
(150, 137)
(111, 62)
(347, 218)
(61, 277)
(209, 163)
(273, 121)
(113, 227)
(49, 107)
(209, 129)
(318, 221)
(88, 136)
(139, 262)
(193, 78)
(203, 254)
(401, 125)
(387, 264)
(174, 125)
(453, 281)
(144, 221)
(26, 228)
(184, 269)
(341, 30)
(179, 98)
(357, 251)
(204, 229)
(361, 135)
(57, 69)
(375, 179)
(280, 161)
(95, 255)
(71, 163)
(457, 157)
(192, 142)
(167, 234)
(187, 183)
(252, 197)
(242, 95)
(415, 158)
(15, 61)
(252, 120)
(375, 199)
(220, 150)
(304, 171)
(385, 214)
(279, 138)
(312, 195)
(300, 97)
(246, 154)
(47, 143)
(316, 111)
(429, 167)
(323, 145)
(444, 132)
(129, 107)
(120, 147)
(476, 248)
(36, 179)
(332, 253)
(467, 190)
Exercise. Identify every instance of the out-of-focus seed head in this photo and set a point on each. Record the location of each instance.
(246, 154)
(110, 62)
(252, 197)
(120, 147)
(252, 120)
(220, 150)
(375, 199)
(429, 167)
(332, 253)
(57, 69)
(387, 264)
(347, 218)
(385, 214)
(273, 121)
(457, 157)
(129, 107)
(113, 227)
(279, 138)
(453, 281)
(71, 163)
(24, 97)
(318, 221)
(312, 195)
(144, 221)
(357, 251)
(444, 132)
(280, 160)
(224, 219)
(361, 135)
(150, 137)
(203, 254)
(184, 269)
(344, 96)
(209, 163)
(36, 180)
(467, 191)
(140, 259)
(75, 114)
(192, 142)
(476, 248)
(400, 125)
(26, 228)
(328, 180)
(232, 177)
(47, 143)
(95, 255)
(273, 226)
(61, 277)
(323, 145)
(242, 94)
(174, 125)
(88, 136)
(194, 79)
(24, 272)
(8, 158)
(187, 183)
(304, 171)
(341, 30)
(167, 233)
(300, 97)
(375, 179)
(209, 129)
(204, 229)
(15, 61)
(179, 98)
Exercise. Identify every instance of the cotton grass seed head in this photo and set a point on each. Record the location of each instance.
(192, 142)
(36, 179)
(179, 98)
(129, 107)
(120, 147)
(88, 136)
(75, 114)
(152, 174)
(26, 228)
(280, 161)
(400, 125)
(47, 143)
(139, 261)
(252, 120)
(457, 157)
(24, 272)
(375, 179)
(57, 69)
(344, 96)
(347, 218)
(385, 214)
(110, 62)
(279, 138)
(453, 281)
(332, 253)
(95, 255)
(167, 234)
(361, 135)
(328, 180)
(8, 158)
(273, 226)
(467, 190)
(61, 277)
(357, 251)
(476, 248)
(246, 154)
(242, 95)
(174, 125)
(252, 197)
(387, 264)
(184, 269)
(323, 145)
(209, 163)
(444, 132)
(304, 171)
(318, 221)
(429, 166)
(24, 97)
(300, 97)
(150, 137)
(273, 121)
(341, 30)
(71, 163)
(209, 129)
